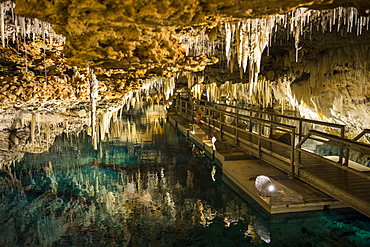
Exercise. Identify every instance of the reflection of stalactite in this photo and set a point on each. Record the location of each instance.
(127, 131)
(100, 192)
(189, 179)
(251, 232)
(207, 214)
(23, 131)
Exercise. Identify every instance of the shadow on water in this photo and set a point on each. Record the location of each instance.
(146, 185)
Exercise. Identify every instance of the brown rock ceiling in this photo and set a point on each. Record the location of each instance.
(126, 40)
(140, 34)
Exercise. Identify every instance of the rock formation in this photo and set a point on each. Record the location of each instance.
(309, 56)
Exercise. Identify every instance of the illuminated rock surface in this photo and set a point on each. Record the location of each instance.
(309, 56)
(306, 57)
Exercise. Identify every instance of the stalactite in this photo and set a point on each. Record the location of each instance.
(213, 92)
(191, 78)
(248, 39)
(152, 90)
(94, 93)
(2, 25)
(197, 90)
(12, 26)
(198, 42)
(33, 128)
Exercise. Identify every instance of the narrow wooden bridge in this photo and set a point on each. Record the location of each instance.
(313, 151)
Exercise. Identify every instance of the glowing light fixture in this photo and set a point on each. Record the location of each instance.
(271, 188)
(264, 185)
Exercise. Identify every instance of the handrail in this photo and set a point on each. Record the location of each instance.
(334, 125)
(254, 118)
(239, 118)
(334, 138)
(299, 119)
(281, 160)
(328, 124)
(365, 131)
(244, 116)
(341, 141)
(350, 144)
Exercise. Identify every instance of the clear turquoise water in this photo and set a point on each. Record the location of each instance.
(150, 188)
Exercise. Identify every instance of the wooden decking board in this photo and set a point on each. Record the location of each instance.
(361, 194)
(360, 197)
(347, 182)
(322, 172)
(324, 167)
(326, 171)
(344, 185)
(351, 187)
(332, 177)
(332, 173)
(329, 177)
(343, 182)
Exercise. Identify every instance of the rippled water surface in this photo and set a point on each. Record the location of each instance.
(146, 186)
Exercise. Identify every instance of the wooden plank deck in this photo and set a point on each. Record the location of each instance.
(240, 169)
(349, 186)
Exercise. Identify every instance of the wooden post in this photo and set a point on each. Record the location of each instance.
(236, 130)
(220, 122)
(346, 158)
(259, 139)
(341, 148)
(299, 154)
(209, 111)
(176, 103)
(292, 145)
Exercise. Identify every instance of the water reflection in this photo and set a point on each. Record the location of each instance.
(143, 186)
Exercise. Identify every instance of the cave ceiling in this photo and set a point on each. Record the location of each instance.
(301, 60)
(322, 73)
(143, 35)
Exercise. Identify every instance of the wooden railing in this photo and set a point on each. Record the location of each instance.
(254, 132)
(250, 133)
(333, 141)
(302, 124)
(364, 132)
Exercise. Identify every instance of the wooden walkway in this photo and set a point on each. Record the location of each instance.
(287, 147)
